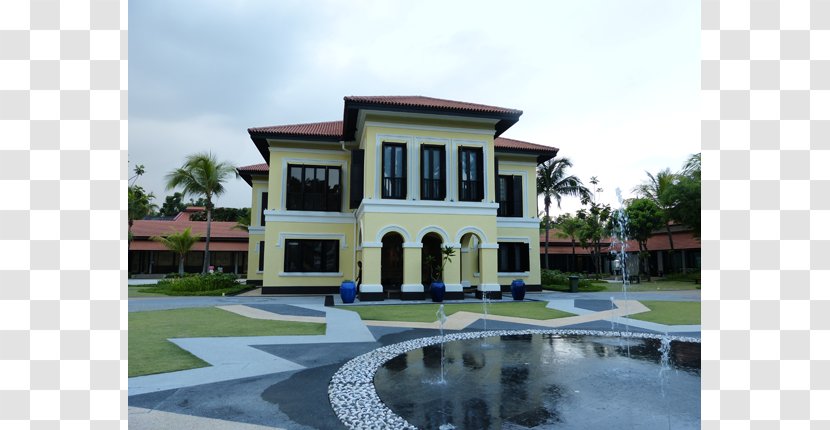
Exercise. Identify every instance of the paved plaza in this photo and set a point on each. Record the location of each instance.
(282, 381)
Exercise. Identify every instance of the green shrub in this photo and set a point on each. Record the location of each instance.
(199, 283)
(688, 276)
(553, 277)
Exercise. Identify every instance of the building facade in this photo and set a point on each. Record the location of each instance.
(372, 197)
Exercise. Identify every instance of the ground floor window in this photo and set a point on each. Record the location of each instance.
(514, 257)
(303, 255)
(261, 256)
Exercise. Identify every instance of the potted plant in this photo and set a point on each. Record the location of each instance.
(436, 271)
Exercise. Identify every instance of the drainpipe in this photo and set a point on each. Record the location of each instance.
(354, 227)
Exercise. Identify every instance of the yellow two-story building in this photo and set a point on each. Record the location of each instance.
(370, 197)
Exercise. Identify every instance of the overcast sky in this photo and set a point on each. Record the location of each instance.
(612, 83)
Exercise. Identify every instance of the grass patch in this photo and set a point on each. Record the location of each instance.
(161, 291)
(140, 291)
(426, 312)
(653, 286)
(670, 313)
(150, 352)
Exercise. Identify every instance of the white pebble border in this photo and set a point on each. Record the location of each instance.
(352, 390)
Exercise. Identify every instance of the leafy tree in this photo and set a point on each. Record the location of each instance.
(656, 189)
(568, 227)
(220, 214)
(553, 183)
(202, 175)
(139, 205)
(179, 243)
(593, 228)
(173, 205)
(685, 192)
(644, 216)
(138, 170)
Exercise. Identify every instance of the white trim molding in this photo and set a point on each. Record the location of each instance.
(371, 288)
(432, 207)
(412, 288)
(413, 245)
(312, 274)
(489, 246)
(371, 245)
(454, 288)
(513, 274)
(514, 239)
(508, 222)
(312, 236)
(433, 229)
(489, 287)
(390, 229)
(309, 216)
(255, 230)
(471, 229)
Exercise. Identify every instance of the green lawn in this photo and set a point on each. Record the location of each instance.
(150, 351)
(671, 313)
(134, 291)
(426, 312)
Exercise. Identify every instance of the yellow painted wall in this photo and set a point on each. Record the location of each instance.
(533, 235)
(275, 255)
(259, 183)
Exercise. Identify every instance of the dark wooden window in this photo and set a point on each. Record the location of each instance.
(356, 181)
(509, 195)
(263, 204)
(313, 188)
(312, 255)
(470, 174)
(514, 257)
(393, 184)
(433, 172)
(261, 266)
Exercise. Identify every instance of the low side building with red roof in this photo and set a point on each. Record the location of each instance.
(228, 246)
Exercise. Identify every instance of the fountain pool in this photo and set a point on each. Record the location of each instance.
(524, 379)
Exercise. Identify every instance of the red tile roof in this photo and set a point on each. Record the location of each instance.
(254, 168)
(519, 145)
(142, 230)
(659, 242)
(327, 129)
(431, 102)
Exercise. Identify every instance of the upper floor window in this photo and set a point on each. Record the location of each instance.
(263, 204)
(470, 174)
(394, 171)
(433, 172)
(313, 188)
(509, 195)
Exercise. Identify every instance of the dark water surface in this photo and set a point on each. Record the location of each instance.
(546, 381)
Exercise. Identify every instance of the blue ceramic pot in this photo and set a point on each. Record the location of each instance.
(348, 291)
(437, 289)
(517, 289)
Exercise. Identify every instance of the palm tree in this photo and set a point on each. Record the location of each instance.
(204, 176)
(656, 189)
(244, 220)
(179, 243)
(553, 183)
(568, 228)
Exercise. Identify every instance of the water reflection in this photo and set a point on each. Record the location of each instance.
(541, 380)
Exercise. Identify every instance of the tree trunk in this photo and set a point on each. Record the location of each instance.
(670, 268)
(181, 265)
(547, 232)
(207, 237)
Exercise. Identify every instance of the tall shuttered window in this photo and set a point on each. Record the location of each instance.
(470, 174)
(261, 266)
(312, 255)
(509, 195)
(263, 204)
(433, 172)
(313, 188)
(393, 185)
(514, 257)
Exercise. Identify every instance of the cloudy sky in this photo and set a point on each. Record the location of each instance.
(612, 83)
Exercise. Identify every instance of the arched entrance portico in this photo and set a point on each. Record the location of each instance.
(430, 256)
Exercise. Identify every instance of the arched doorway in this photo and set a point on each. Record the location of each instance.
(431, 247)
(470, 260)
(391, 262)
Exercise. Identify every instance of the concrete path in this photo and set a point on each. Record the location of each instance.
(235, 358)
(151, 419)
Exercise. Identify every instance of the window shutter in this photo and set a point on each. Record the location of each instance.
(480, 179)
(524, 250)
(517, 196)
(356, 179)
(404, 169)
(263, 205)
(443, 193)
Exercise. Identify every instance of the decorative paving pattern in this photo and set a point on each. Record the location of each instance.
(352, 391)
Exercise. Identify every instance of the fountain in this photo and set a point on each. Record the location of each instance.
(442, 318)
(484, 302)
(530, 378)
